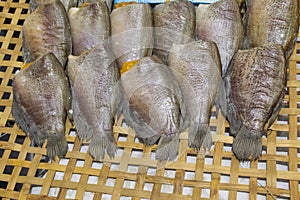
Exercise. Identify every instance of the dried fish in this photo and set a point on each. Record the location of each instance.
(132, 32)
(153, 106)
(47, 30)
(221, 23)
(41, 99)
(269, 21)
(90, 26)
(197, 68)
(174, 23)
(94, 79)
(255, 83)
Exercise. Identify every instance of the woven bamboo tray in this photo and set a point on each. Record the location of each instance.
(134, 173)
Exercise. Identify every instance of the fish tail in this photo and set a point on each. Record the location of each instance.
(247, 145)
(103, 143)
(200, 136)
(56, 146)
(167, 148)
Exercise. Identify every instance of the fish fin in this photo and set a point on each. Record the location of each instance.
(120, 107)
(83, 129)
(56, 146)
(149, 141)
(228, 108)
(26, 124)
(167, 148)
(101, 144)
(233, 118)
(184, 118)
(200, 136)
(221, 98)
(207, 141)
(276, 109)
(142, 131)
(247, 145)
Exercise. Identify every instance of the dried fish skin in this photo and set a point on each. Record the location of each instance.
(174, 23)
(221, 22)
(270, 22)
(153, 106)
(35, 3)
(47, 30)
(90, 26)
(67, 3)
(197, 68)
(255, 84)
(94, 79)
(109, 3)
(41, 99)
(132, 37)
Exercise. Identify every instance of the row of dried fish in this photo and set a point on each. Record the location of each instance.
(157, 100)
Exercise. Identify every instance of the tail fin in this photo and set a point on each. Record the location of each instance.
(200, 136)
(167, 148)
(103, 143)
(56, 146)
(247, 145)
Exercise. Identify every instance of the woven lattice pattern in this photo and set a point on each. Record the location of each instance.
(134, 173)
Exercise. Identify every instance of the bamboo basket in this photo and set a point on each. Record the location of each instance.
(134, 173)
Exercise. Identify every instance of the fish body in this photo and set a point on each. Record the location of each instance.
(197, 68)
(174, 23)
(47, 30)
(132, 32)
(90, 25)
(269, 21)
(94, 79)
(221, 22)
(41, 99)
(255, 84)
(152, 105)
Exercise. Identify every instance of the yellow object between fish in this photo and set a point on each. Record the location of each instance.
(127, 66)
(85, 4)
(118, 5)
(25, 66)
